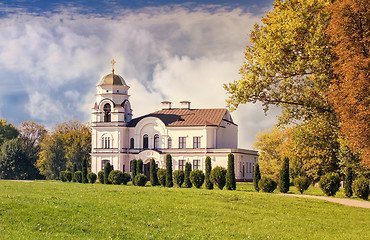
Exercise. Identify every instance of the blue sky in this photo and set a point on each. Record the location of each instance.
(53, 53)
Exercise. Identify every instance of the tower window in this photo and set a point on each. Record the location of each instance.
(132, 143)
(156, 141)
(107, 112)
(105, 142)
(169, 143)
(145, 141)
(103, 163)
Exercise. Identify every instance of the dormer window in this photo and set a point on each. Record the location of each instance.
(156, 141)
(107, 112)
(145, 141)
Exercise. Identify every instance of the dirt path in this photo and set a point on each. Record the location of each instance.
(348, 202)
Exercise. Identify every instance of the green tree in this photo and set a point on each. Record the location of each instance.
(230, 175)
(153, 173)
(169, 181)
(218, 177)
(161, 174)
(107, 170)
(209, 184)
(348, 182)
(284, 176)
(133, 170)
(84, 170)
(139, 167)
(7, 131)
(256, 176)
(187, 182)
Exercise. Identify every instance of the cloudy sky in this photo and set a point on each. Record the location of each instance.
(53, 53)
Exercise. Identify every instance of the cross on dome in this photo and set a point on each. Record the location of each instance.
(113, 62)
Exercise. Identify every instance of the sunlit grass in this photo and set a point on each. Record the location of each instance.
(55, 210)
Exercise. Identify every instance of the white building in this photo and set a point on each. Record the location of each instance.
(189, 135)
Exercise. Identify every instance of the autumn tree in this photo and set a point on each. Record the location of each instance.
(7, 131)
(349, 30)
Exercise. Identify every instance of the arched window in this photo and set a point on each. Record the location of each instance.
(105, 142)
(132, 143)
(145, 141)
(107, 112)
(169, 142)
(156, 141)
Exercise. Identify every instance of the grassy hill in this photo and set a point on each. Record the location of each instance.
(56, 210)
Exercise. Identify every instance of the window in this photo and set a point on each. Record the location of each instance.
(182, 165)
(196, 164)
(132, 143)
(105, 142)
(103, 163)
(156, 141)
(145, 141)
(250, 167)
(169, 143)
(243, 170)
(182, 142)
(107, 112)
(196, 142)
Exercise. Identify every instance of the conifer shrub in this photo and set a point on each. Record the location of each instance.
(84, 170)
(62, 176)
(107, 170)
(187, 182)
(133, 170)
(361, 188)
(169, 182)
(178, 177)
(302, 183)
(267, 184)
(230, 174)
(91, 177)
(348, 182)
(68, 175)
(101, 177)
(115, 177)
(284, 179)
(218, 177)
(197, 178)
(139, 167)
(126, 178)
(256, 176)
(78, 176)
(330, 183)
(153, 173)
(161, 174)
(209, 184)
(140, 180)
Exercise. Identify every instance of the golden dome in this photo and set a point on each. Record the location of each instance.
(112, 79)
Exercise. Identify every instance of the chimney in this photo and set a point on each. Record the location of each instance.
(185, 104)
(166, 105)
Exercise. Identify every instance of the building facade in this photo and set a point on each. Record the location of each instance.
(189, 135)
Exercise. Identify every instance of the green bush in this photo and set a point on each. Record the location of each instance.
(330, 183)
(161, 174)
(218, 177)
(126, 178)
(68, 175)
(284, 179)
(169, 182)
(140, 180)
(302, 183)
(230, 174)
(133, 170)
(197, 178)
(115, 177)
(101, 177)
(84, 170)
(267, 184)
(153, 173)
(209, 184)
(361, 188)
(256, 176)
(107, 170)
(78, 176)
(348, 182)
(63, 176)
(91, 177)
(187, 182)
(178, 177)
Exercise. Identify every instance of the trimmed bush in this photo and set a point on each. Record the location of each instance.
(256, 176)
(63, 176)
(140, 180)
(218, 177)
(169, 182)
(139, 167)
(197, 178)
(230, 174)
(107, 170)
(161, 174)
(153, 173)
(115, 177)
(78, 176)
(302, 183)
(178, 177)
(133, 170)
(284, 179)
(68, 175)
(101, 177)
(84, 170)
(209, 184)
(330, 183)
(126, 178)
(91, 177)
(187, 182)
(267, 184)
(348, 182)
(361, 188)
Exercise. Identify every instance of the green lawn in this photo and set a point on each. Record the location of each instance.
(55, 210)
